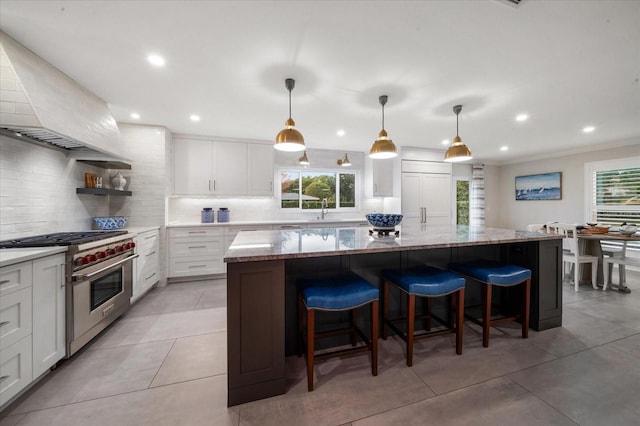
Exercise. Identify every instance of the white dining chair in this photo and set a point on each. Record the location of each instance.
(571, 252)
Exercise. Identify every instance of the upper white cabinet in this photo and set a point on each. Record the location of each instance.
(382, 178)
(426, 192)
(261, 159)
(222, 168)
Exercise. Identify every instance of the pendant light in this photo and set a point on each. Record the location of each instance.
(383, 147)
(289, 139)
(457, 151)
(304, 160)
(345, 161)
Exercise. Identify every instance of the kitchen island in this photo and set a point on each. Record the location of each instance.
(263, 266)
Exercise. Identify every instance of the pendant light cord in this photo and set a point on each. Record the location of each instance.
(289, 103)
(382, 116)
(457, 133)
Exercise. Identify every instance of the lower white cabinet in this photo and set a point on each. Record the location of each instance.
(195, 251)
(49, 344)
(146, 267)
(32, 322)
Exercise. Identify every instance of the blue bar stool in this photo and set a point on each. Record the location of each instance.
(427, 282)
(338, 293)
(490, 273)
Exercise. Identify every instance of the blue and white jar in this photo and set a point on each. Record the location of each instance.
(207, 215)
(223, 214)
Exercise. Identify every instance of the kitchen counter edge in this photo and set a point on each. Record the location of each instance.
(11, 256)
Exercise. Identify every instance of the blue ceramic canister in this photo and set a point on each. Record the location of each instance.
(223, 214)
(207, 215)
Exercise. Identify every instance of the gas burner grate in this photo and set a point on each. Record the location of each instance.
(60, 239)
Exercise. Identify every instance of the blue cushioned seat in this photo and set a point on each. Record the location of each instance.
(493, 272)
(345, 292)
(426, 282)
(337, 293)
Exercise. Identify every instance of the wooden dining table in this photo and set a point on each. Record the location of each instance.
(592, 244)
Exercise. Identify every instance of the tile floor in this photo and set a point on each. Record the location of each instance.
(164, 363)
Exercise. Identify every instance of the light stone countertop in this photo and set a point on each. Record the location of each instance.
(141, 229)
(12, 256)
(299, 243)
(266, 222)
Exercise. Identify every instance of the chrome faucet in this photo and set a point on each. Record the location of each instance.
(324, 208)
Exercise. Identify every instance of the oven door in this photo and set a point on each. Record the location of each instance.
(99, 295)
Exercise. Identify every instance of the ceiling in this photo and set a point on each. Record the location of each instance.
(567, 64)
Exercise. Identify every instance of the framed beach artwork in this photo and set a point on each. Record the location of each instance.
(545, 186)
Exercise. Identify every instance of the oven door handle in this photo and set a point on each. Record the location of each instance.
(106, 268)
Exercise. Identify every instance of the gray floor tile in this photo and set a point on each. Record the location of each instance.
(496, 402)
(344, 390)
(194, 357)
(615, 310)
(598, 386)
(11, 420)
(436, 362)
(630, 345)
(198, 402)
(98, 373)
(131, 329)
(177, 297)
(213, 296)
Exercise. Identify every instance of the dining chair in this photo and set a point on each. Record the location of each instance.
(536, 227)
(571, 252)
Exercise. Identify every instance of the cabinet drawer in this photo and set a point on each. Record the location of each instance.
(195, 232)
(195, 266)
(184, 247)
(15, 277)
(232, 231)
(148, 242)
(15, 369)
(15, 317)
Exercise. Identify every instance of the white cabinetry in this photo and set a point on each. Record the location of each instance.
(222, 168)
(426, 192)
(32, 322)
(382, 178)
(195, 251)
(48, 312)
(261, 160)
(146, 268)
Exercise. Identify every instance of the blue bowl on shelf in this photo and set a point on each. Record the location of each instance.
(384, 221)
(110, 222)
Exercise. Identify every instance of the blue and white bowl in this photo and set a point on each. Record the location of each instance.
(384, 221)
(110, 222)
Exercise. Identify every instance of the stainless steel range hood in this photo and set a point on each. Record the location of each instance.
(41, 104)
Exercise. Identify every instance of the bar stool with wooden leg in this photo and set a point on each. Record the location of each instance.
(426, 282)
(346, 292)
(492, 273)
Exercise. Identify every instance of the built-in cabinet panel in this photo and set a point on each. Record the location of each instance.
(195, 251)
(382, 178)
(146, 268)
(426, 192)
(48, 313)
(206, 167)
(32, 322)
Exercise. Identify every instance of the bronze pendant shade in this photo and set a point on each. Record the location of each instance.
(289, 138)
(383, 147)
(457, 151)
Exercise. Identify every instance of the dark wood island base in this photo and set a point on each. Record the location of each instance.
(262, 267)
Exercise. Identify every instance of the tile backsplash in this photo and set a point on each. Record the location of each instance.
(38, 191)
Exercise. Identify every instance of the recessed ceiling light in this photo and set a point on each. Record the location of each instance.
(340, 132)
(194, 117)
(445, 142)
(504, 148)
(156, 60)
(588, 129)
(135, 115)
(522, 117)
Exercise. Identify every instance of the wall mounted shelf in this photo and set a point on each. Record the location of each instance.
(107, 164)
(102, 191)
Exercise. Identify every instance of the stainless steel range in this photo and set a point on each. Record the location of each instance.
(99, 275)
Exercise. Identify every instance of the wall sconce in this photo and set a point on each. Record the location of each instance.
(344, 162)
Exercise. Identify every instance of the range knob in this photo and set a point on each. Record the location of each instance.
(111, 251)
(133, 244)
(127, 246)
(101, 254)
(92, 257)
(120, 248)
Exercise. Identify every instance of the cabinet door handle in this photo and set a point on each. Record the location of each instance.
(4, 282)
(271, 186)
(146, 278)
(152, 253)
(197, 266)
(209, 185)
(3, 378)
(148, 238)
(3, 323)
(197, 232)
(197, 247)
(214, 185)
(375, 188)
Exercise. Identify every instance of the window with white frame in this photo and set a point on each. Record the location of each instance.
(307, 190)
(613, 191)
(461, 201)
